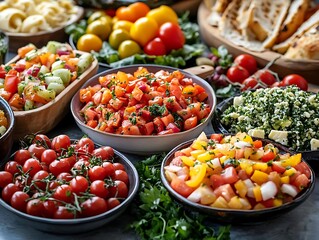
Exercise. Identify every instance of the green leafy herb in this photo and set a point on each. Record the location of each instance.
(226, 59)
(156, 110)
(158, 216)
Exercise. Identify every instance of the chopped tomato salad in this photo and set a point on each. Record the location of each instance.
(237, 172)
(144, 103)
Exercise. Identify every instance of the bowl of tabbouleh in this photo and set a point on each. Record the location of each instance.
(289, 116)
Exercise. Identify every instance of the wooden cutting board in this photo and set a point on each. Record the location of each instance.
(283, 66)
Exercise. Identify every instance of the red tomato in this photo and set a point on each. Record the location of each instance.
(18, 201)
(50, 208)
(266, 77)
(155, 47)
(106, 152)
(303, 168)
(278, 168)
(40, 175)
(118, 166)
(12, 167)
(112, 203)
(85, 145)
(61, 142)
(121, 175)
(32, 166)
(237, 74)
(97, 173)
(216, 180)
(35, 207)
(249, 83)
(93, 206)
(64, 177)
(268, 156)
(8, 191)
(247, 61)
(295, 79)
(5, 178)
(59, 166)
(42, 140)
(181, 187)
(11, 81)
(63, 213)
(99, 188)
(109, 168)
(48, 156)
(225, 191)
(229, 175)
(36, 150)
(172, 36)
(301, 181)
(64, 193)
(119, 189)
(21, 156)
(217, 137)
(79, 185)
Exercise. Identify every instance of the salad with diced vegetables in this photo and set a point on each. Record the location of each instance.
(39, 75)
(237, 172)
(288, 115)
(3, 123)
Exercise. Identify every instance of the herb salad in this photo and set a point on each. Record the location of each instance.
(287, 115)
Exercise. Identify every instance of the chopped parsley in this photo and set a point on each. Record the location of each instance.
(157, 110)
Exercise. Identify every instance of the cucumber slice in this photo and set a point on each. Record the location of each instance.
(64, 74)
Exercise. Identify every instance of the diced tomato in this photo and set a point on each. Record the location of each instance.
(149, 128)
(97, 97)
(3, 72)
(90, 114)
(216, 180)
(158, 125)
(190, 123)
(303, 168)
(165, 132)
(226, 191)
(11, 81)
(92, 123)
(268, 156)
(173, 127)
(114, 120)
(277, 167)
(167, 119)
(268, 203)
(301, 181)
(172, 104)
(242, 174)
(116, 103)
(185, 113)
(294, 176)
(137, 93)
(85, 95)
(175, 90)
(134, 130)
(181, 187)
(146, 115)
(217, 137)
(229, 175)
(16, 101)
(257, 144)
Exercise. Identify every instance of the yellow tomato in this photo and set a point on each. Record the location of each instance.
(89, 42)
(100, 29)
(95, 16)
(117, 37)
(144, 30)
(163, 14)
(123, 24)
(128, 48)
(107, 19)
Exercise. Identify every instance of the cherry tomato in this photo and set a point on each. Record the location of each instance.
(99, 188)
(118, 166)
(79, 185)
(12, 167)
(237, 74)
(61, 142)
(93, 206)
(247, 61)
(5, 178)
(64, 193)
(119, 189)
(32, 166)
(266, 77)
(8, 191)
(35, 207)
(48, 156)
(295, 79)
(172, 36)
(21, 156)
(85, 145)
(155, 47)
(36, 150)
(42, 140)
(64, 177)
(18, 201)
(112, 203)
(121, 175)
(97, 173)
(249, 83)
(63, 212)
(109, 168)
(38, 179)
(50, 207)
(59, 166)
(105, 152)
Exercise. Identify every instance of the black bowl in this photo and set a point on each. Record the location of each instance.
(309, 156)
(233, 216)
(79, 225)
(6, 140)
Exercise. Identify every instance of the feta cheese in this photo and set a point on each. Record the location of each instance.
(279, 136)
(256, 133)
(238, 100)
(314, 144)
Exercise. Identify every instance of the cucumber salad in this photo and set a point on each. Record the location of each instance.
(288, 115)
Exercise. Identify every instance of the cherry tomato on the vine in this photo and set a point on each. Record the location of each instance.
(247, 61)
(295, 79)
(266, 77)
(249, 83)
(237, 74)
(61, 142)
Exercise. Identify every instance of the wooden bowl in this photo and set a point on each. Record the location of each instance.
(46, 117)
(283, 66)
(39, 39)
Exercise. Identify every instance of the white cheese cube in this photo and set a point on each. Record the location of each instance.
(238, 100)
(314, 144)
(256, 133)
(279, 136)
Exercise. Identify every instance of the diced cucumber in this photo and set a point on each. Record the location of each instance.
(85, 60)
(64, 74)
(32, 54)
(44, 69)
(21, 87)
(2, 130)
(52, 46)
(48, 95)
(57, 65)
(28, 105)
(53, 79)
(57, 87)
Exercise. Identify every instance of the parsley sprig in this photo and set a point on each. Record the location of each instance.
(158, 216)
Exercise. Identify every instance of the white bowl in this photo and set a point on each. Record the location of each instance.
(142, 145)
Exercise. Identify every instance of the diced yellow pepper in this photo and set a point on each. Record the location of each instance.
(259, 177)
(199, 144)
(262, 166)
(241, 188)
(289, 172)
(247, 166)
(292, 161)
(284, 179)
(235, 203)
(213, 152)
(257, 194)
(204, 157)
(256, 155)
(195, 153)
(277, 202)
(220, 203)
(197, 178)
(187, 161)
(248, 139)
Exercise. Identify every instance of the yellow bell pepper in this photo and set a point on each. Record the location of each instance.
(259, 177)
(204, 157)
(195, 153)
(197, 174)
(188, 161)
(199, 145)
(292, 161)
